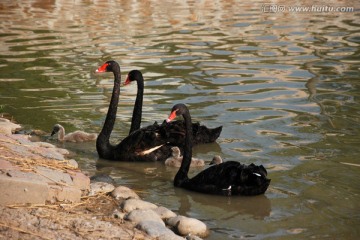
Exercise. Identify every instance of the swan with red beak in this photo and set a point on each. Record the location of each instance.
(227, 178)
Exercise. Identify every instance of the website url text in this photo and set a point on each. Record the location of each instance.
(275, 8)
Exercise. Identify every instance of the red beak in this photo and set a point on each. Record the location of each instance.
(171, 116)
(127, 81)
(102, 68)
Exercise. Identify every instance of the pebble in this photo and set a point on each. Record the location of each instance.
(185, 226)
(100, 187)
(124, 193)
(102, 178)
(73, 163)
(117, 214)
(164, 213)
(192, 237)
(157, 230)
(139, 215)
(132, 204)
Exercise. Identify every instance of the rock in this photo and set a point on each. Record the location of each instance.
(100, 187)
(73, 163)
(64, 194)
(102, 178)
(118, 214)
(54, 175)
(7, 127)
(80, 180)
(164, 213)
(43, 185)
(185, 226)
(124, 193)
(157, 230)
(192, 237)
(27, 189)
(43, 144)
(139, 215)
(132, 204)
(62, 151)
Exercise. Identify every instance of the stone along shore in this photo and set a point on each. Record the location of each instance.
(43, 195)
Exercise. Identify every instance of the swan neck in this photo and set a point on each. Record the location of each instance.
(137, 112)
(61, 134)
(182, 175)
(103, 145)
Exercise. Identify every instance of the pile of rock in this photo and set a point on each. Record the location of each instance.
(157, 221)
(39, 173)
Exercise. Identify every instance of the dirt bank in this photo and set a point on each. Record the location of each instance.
(45, 196)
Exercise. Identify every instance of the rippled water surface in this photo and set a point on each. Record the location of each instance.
(285, 86)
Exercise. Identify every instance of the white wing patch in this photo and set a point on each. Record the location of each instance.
(149, 150)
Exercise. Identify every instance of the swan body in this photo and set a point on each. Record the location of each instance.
(151, 143)
(77, 136)
(201, 133)
(176, 159)
(227, 178)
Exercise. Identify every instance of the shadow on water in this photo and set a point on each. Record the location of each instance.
(257, 207)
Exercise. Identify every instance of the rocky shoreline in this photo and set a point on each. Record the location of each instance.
(44, 195)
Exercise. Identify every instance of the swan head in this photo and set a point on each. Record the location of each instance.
(109, 66)
(175, 152)
(133, 75)
(177, 110)
(56, 129)
(216, 160)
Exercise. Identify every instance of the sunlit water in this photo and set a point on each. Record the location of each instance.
(284, 86)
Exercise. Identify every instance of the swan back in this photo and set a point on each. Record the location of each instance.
(176, 159)
(80, 136)
(77, 136)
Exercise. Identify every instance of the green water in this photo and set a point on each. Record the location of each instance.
(285, 86)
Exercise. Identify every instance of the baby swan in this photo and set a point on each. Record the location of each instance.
(216, 160)
(176, 159)
(77, 136)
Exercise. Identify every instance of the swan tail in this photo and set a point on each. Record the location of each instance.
(253, 180)
(203, 134)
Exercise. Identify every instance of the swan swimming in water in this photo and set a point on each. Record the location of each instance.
(202, 134)
(227, 178)
(77, 136)
(176, 159)
(150, 143)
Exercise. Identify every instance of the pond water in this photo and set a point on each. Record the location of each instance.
(284, 86)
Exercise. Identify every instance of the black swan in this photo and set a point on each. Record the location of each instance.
(77, 136)
(145, 144)
(151, 143)
(201, 133)
(227, 178)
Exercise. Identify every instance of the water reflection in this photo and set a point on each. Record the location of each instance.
(284, 86)
(257, 207)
